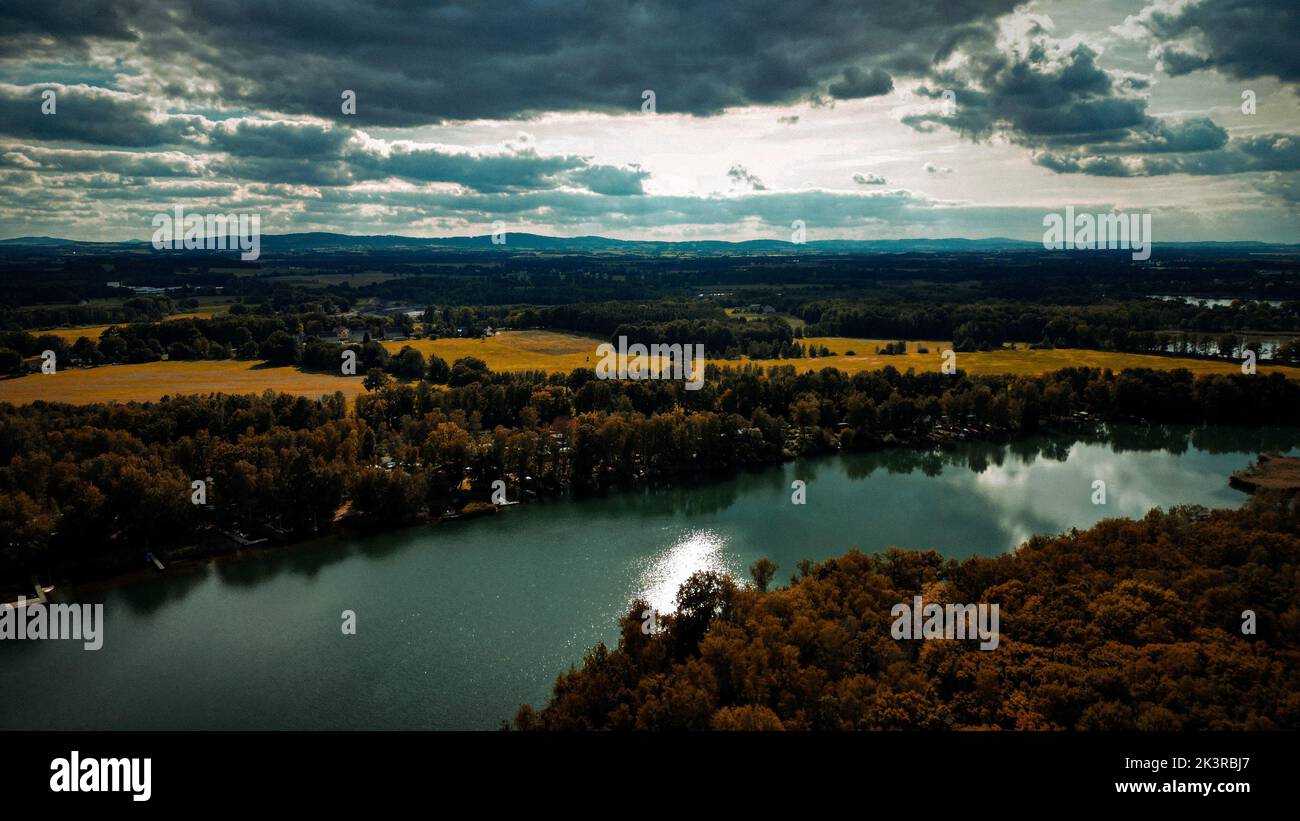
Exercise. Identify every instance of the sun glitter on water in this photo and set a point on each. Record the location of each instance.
(694, 550)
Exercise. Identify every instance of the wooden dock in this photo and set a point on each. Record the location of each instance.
(39, 599)
(241, 539)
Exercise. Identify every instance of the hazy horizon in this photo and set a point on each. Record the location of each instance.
(610, 238)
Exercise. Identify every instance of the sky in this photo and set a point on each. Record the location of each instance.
(658, 119)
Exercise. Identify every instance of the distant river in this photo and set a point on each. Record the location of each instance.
(457, 624)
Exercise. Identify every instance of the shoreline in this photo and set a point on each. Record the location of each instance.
(1270, 472)
(185, 565)
(189, 559)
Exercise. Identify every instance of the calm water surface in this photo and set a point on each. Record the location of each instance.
(458, 624)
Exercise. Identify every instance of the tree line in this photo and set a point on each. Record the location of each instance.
(1144, 325)
(277, 338)
(85, 487)
(135, 309)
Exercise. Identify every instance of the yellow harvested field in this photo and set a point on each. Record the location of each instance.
(514, 350)
(71, 335)
(94, 332)
(1006, 361)
(202, 312)
(153, 380)
(539, 350)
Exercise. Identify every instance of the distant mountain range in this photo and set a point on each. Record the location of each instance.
(318, 240)
(540, 242)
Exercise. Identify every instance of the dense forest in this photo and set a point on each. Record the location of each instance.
(134, 309)
(1130, 625)
(1135, 326)
(84, 488)
(62, 276)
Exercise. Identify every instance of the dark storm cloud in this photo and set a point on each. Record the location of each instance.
(1269, 152)
(1036, 93)
(261, 138)
(857, 83)
(289, 170)
(1162, 136)
(1174, 61)
(125, 163)
(606, 179)
(323, 154)
(1044, 94)
(88, 114)
(32, 28)
(1239, 38)
(308, 153)
(493, 172)
(414, 64)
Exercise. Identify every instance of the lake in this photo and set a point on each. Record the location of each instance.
(459, 623)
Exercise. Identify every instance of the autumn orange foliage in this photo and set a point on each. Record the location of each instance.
(1130, 625)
